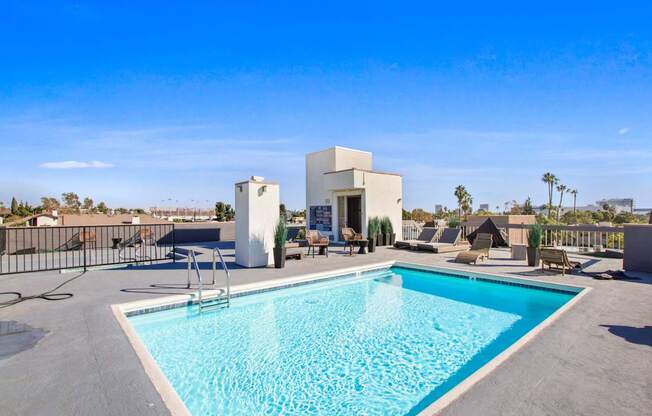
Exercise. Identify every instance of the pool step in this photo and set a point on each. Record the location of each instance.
(219, 302)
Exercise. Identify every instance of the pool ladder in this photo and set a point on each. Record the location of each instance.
(219, 301)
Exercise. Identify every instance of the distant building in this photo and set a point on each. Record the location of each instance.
(620, 204)
(53, 219)
(104, 219)
(183, 214)
(484, 207)
(4, 212)
(439, 209)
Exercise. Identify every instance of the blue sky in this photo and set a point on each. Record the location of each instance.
(161, 102)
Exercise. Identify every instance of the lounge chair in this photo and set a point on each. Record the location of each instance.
(140, 239)
(350, 236)
(315, 239)
(87, 239)
(557, 257)
(427, 235)
(479, 250)
(448, 240)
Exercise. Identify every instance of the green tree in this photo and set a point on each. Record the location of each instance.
(71, 202)
(574, 193)
(229, 213)
(24, 209)
(49, 203)
(102, 208)
(283, 212)
(460, 194)
(467, 204)
(14, 206)
(561, 188)
(527, 206)
(220, 211)
(577, 217)
(606, 214)
(628, 218)
(516, 209)
(550, 180)
(88, 205)
(464, 200)
(406, 214)
(418, 214)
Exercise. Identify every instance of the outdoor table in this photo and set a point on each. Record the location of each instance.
(362, 244)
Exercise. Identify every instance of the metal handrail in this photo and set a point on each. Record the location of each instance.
(226, 270)
(194, 261)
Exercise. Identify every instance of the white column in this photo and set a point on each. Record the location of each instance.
(256, 213)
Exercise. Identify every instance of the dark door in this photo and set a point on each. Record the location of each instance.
(354, 213)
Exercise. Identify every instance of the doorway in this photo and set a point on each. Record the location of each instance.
(354, 213)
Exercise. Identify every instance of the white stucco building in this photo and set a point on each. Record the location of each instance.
(257, 207)
(343, 190)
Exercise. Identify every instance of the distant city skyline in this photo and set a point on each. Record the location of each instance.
(134, 106)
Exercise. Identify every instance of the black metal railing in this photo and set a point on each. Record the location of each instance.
(34, 249)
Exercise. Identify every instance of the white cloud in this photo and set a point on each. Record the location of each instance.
(624, 130)
(73, 164)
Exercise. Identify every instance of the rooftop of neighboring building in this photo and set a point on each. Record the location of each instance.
(105, 219)
(363, 170)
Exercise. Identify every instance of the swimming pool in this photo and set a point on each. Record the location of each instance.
(382, 342)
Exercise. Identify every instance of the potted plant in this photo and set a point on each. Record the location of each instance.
(384, 231)
(533, 244)
(280, 236)
(389, 235)
(372, 232)
(379, 235)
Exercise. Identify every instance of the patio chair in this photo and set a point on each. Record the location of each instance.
(138, 240)
(427, 235)
(316, 240)
(557, 257)
(448, 241)
(87, 239)
(479, 250)
(350, 236)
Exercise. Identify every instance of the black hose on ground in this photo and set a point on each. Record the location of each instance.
(48, 295)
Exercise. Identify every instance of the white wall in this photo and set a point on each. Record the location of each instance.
(350, 158)
(257, 212)
(46, 221)
(383, 196)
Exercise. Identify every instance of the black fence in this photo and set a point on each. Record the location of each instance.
(34, 249)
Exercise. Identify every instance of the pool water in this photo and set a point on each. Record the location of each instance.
(381, 343)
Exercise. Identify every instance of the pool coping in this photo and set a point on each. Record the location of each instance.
(177, 407)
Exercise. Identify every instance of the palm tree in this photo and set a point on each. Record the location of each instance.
(467, 203)
(550, 180)
(460, 194)
(561, 188)
(574, 193)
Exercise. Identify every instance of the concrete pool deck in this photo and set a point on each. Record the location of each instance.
(72, 357)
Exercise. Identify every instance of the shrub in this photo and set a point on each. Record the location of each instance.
(390, 227)
(385, 225)
(373, 227)
(534, 236)
(454, 222)
(280, 233)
